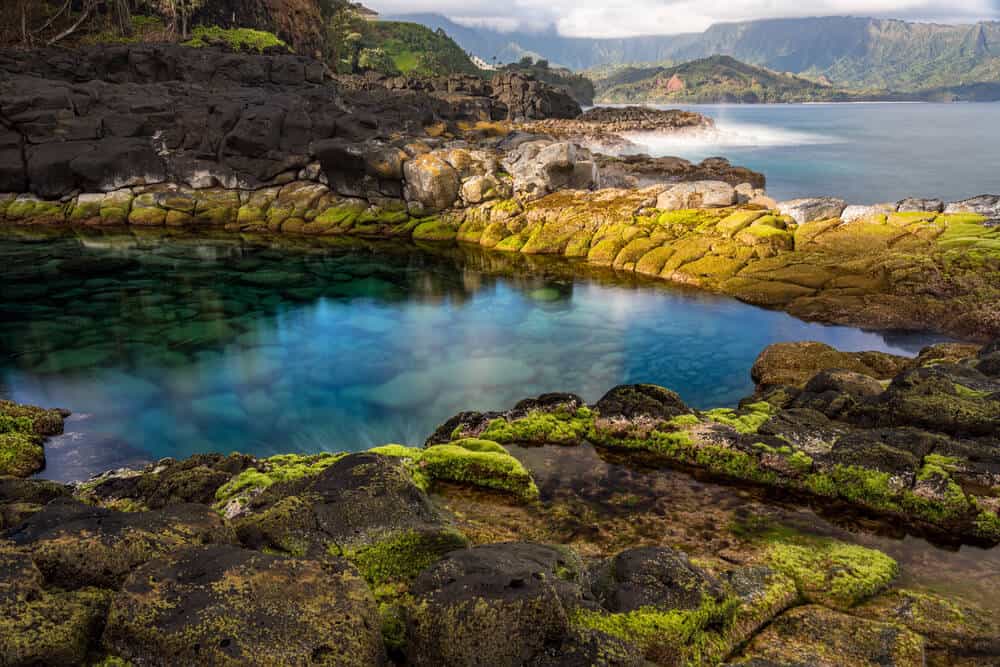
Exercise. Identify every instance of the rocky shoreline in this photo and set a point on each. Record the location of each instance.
(268, 144)
(399, 553)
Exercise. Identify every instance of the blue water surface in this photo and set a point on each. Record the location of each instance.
(866, 153)
(166, 345)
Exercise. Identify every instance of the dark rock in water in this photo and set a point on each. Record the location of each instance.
(875, 451)
(809, 430)
(227, 605)
(76, 545)
(365, 506)
(836, 393)
(502, 603)
(653, 577)
(641, 400)
(473, 424)
(821, 637)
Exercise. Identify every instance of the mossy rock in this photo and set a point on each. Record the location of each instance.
(76, 545)
(950, 625)
(370, 508)
(147, 217)
(505, 601)
(435, 229)
(832, 573)
(483, 469)
(542, 426)
(21, 454)
(225, 605)
(794, 364)
(237, 39)
(821, 637)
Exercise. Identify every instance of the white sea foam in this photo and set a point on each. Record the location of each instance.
(726, 135)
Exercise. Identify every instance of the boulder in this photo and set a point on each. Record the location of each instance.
(657, 577)
(227, 605)
(794, 364)
(366, 507)
(916, 205)
(541, 167)
(431, 183)
(811, 209)
(699, 194)
(855, 212)
(638, 401)
(987, 206)
(509, 602)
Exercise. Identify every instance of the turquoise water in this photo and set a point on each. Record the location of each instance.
(172, 345)
(866, 153)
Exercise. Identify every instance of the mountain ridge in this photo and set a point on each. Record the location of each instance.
(851, 52)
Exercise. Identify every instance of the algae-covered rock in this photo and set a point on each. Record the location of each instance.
(505, 604)
(652, 577)
(20, 498)
(795, 364)
(224, 605)
(38, 627)
(193, 480)
(366, 507)
(22, 428)
(76, 545)
(951, 625)
(821, 637)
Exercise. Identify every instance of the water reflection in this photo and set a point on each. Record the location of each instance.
(165, 344)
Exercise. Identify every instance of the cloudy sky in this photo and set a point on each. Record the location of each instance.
(623, 18)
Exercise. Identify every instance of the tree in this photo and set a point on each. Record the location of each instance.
(376, 60)
(542, 64)
(526, 61)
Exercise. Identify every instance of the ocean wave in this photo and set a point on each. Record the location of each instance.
(726, 135)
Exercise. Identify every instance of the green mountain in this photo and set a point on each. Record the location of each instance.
(711, 80)
(846, 52)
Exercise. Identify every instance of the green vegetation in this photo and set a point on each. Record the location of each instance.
(402, 556)
(471, 461)
(831, 572)
(238, 39)
(745, 420)
(281, 468)
(559, 426)
(681, 629)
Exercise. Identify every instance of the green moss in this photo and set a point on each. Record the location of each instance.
(745, 420)
(403, 556)
(987, 525)
(21, 454)
(512, 243)
(479, 445)
(434, 229)
(238, 39)
(150, 216)
(800, 461)
(688, 217)
(342, 215)
(685, 630)
(399, 451)
(560, 426)
(966, 392)
(20, 424)
(283, 468)
(831, 572)
(490, 470)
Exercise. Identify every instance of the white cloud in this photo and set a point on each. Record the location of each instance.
(624, 18)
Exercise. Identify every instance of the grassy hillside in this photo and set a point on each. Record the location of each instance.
(709, 80)
(416, 50)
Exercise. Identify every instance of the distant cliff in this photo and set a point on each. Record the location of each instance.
(848, 52)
